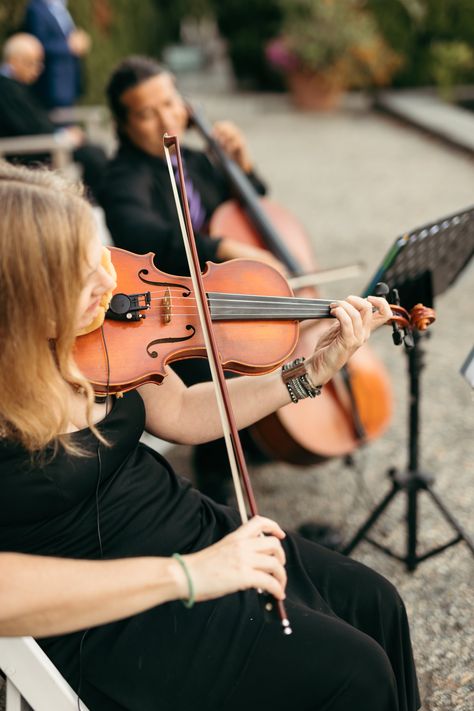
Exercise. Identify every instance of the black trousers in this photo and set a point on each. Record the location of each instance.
(351, 652)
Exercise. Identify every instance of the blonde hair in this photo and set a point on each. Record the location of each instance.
(45, 228)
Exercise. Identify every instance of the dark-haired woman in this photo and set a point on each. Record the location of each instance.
(140, 209)
(136, 195)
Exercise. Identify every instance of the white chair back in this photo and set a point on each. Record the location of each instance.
(33, 682)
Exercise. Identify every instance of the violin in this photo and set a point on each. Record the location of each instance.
(152, 321)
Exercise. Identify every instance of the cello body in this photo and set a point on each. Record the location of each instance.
(324, 427)
(349, 412)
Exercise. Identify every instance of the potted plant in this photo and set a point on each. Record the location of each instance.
(328, 46)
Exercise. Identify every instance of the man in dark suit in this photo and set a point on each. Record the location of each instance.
(22, 115)
(49, 20)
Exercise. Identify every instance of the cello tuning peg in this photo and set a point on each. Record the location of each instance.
(381, 289)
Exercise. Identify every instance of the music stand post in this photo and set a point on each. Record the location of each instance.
(420, 265)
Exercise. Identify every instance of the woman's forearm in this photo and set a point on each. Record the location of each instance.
(42, 596)
(252, 399)
(192, 416)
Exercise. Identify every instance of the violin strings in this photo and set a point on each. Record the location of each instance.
(255, 306)
(236, 313)
(274, 302)
(191, 310)
(250, 299)
(240, 306)
(224, 296)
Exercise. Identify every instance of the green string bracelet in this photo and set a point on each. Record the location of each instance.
(191, 598)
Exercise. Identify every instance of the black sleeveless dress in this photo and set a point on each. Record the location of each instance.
(350, 647)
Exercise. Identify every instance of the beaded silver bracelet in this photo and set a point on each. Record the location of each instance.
(298, 383)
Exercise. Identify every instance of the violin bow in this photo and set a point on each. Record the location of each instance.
(235, 453)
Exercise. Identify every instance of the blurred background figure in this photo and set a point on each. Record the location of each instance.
(22, 115)
(64, 44)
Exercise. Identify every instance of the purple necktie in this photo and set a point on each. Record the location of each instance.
(196, 208)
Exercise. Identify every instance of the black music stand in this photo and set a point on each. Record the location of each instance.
(421, 265)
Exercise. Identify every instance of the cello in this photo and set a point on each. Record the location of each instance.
(356, 406)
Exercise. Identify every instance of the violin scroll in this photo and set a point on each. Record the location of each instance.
(404, 322)
(421, 317)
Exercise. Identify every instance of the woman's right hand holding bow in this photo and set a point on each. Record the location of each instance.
(249, 557)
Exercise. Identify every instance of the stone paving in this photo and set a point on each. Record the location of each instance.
(425, 110)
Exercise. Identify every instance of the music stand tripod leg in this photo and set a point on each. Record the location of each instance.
(411, 481)
(462, 534)
(367, 525)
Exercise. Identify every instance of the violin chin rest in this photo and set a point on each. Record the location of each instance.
(98, 320)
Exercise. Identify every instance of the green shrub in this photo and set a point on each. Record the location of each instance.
(117, 28)
(415, 27)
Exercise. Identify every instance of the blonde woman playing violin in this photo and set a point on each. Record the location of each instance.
(77, 484)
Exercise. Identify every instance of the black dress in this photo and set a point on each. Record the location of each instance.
(350, 649)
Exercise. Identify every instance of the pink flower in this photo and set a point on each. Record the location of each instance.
(280, 56)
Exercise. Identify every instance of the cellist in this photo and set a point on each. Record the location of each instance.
(139, 207)
(76, 483)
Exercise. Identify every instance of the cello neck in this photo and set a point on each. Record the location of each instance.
(253, 307)
(246, 195)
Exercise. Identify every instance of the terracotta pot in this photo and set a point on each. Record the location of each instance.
(314, 91)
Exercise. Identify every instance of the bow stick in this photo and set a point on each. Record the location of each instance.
(231, 436)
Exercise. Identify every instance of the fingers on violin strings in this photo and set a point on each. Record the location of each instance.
(382, 306)
(351, 323)
(364, 307)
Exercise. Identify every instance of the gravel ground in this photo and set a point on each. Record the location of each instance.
(356, 180)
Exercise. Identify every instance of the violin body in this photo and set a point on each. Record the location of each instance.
(123, 355)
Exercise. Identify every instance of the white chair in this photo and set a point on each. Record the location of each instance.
(32, 681)
(58, 147)
(93, 119)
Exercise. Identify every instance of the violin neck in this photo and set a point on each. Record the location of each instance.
(251, 307)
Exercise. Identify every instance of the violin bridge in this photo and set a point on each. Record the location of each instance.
(167, 306)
